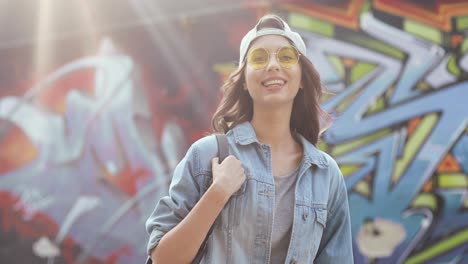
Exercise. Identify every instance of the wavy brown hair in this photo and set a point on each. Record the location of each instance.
(236, 106)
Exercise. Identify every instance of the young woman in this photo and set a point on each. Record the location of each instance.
(277, 198)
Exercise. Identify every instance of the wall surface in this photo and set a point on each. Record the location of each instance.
(99, 101)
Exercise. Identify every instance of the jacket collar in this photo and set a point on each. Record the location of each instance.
(244, 134)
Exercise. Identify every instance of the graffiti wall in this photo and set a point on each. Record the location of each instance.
(92, 123)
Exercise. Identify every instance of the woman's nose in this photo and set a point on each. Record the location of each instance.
(273, 63)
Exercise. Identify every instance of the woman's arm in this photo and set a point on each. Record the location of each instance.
(181, 244)
(183, 228)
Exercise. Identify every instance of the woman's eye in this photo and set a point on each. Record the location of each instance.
(286, 58)
(259, 59)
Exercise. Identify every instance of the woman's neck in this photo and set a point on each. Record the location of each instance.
(272, 127)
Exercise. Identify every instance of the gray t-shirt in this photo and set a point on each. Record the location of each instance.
(284, 211)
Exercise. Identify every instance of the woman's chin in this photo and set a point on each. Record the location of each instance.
(274, 88)
(275, 100)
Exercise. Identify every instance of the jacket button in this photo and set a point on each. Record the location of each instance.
(293, 262)
(305, 215)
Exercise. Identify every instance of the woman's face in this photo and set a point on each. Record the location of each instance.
(272, 85)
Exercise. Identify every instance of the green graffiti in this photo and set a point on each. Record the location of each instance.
(363, 188)
(376, 45)
(441, 247)
(311, 24)
(464, 45)
(453, 66)
(361, 69)
(345, 103)
(336, 62)
(462, 23)
(453, 181)
(423, 86)
(423, 31)
(322, 145)
(348, 169)
(343, 148)
(425, 200)
(414, 142)
(377, 106)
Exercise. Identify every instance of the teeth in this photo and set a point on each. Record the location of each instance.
(273, 82)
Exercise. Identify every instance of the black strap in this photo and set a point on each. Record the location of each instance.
(223, 152)
(223, 147)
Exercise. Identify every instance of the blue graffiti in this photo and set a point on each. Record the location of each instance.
(388, 200)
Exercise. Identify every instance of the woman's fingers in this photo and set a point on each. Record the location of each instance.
(229, 174)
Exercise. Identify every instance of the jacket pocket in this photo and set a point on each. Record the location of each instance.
(321, 216)
(309, 224)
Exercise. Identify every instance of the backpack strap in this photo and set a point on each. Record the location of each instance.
(223, 147)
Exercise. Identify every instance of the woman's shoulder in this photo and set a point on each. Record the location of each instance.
(205, 144)
(328, 159)
(333, 172)
(317, 156)
(204, 150)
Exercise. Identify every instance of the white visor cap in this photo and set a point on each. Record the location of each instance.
(254, 33)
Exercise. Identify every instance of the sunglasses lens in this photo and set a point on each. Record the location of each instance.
(287, 56)
(258, 58)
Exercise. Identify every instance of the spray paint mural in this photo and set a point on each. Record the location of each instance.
(88, 147)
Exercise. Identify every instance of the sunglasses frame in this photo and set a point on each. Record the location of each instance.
(276, 55)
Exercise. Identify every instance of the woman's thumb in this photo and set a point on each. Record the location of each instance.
(214, 161)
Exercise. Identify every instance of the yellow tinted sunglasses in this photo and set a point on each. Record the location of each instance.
(287, 57)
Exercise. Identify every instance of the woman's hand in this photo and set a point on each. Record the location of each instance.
(229, 175)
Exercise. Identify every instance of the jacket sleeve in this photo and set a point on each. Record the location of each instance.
(184, 192)
(336, 243)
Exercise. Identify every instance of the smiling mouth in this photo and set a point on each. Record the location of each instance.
(273, 82)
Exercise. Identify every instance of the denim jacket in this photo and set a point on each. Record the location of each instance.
(321, 231)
